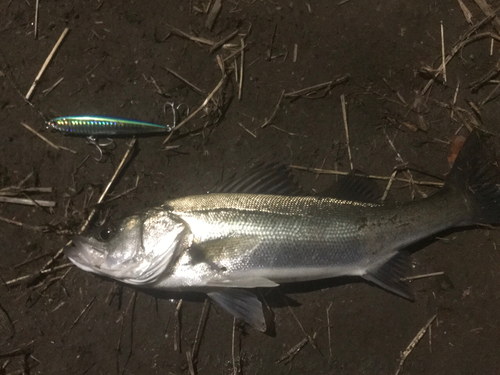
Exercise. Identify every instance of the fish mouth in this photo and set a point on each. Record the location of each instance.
(83, 255)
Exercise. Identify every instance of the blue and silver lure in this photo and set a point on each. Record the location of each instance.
(97, 126)
(94, 127)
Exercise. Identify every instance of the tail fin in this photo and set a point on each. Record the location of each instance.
(476, 175)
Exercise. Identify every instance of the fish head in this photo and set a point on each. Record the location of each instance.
(136, 250)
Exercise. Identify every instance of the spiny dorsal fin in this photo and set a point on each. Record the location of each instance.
(354, 187)
(264, 178)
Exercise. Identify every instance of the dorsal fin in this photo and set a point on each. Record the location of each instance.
(354, 187)
(264, 178)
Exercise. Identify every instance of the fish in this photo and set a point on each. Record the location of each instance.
(260, 231)
(98, 126)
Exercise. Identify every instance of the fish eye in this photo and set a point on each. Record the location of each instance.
(105, 234)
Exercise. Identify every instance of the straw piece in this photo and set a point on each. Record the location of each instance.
(240, 89)
(36, 17)
(48, 91)
(384, 178)
(467, 13)
(267, 122)
(344, 116)
(312, 89)
(417, 277)
(486, 8)
(195, 88)
(46, 63)
(414, 343)
(217, 45)
(27, 202)
(46, 140)
(212, 15)
(443, 55)
(19, 224)
(42, 272)
(190, 37)
(16, 190)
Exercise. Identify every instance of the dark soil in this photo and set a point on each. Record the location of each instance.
(72, 322)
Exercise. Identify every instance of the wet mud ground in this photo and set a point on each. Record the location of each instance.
(114, 61)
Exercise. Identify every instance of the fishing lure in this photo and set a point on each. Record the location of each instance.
(96, 126)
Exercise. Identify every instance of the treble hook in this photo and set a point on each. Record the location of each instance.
(176, 111)
(174, 115)
(110, 144)
(180, 106)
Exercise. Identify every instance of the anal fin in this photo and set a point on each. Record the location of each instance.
(243, 305)
(388, 275)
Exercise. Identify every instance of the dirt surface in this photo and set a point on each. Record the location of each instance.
(72, 322)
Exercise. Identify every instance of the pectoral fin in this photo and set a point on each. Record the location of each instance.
(243, 305)
(388, 275)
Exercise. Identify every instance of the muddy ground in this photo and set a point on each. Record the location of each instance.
(72, 322)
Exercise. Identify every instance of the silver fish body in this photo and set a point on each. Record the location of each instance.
(226, 243)
(244, 240)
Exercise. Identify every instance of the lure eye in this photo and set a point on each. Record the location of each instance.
(105, 234)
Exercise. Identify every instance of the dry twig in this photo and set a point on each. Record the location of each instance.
(313, 89)
(27, 202)
(203, 105)
(37, 3)
(443, 55)
(45, 139)
(413, 343)
(223, 41)
(46, 63)
(467, 13)
(194, 87)
(49, 90)
(288, 356)
(329, 330)
(27, 226)
(344, 116)
(235, 364)
(178, 327)
(384, 178)
(89, 305)
(201, 327)
(488, 11)
(267, 122)
(190, 37)
(212, 15)
(189, 358)
(417, 277)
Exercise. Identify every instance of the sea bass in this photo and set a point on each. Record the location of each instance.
(259, 232)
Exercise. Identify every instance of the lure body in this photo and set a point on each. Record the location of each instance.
(97, 126)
